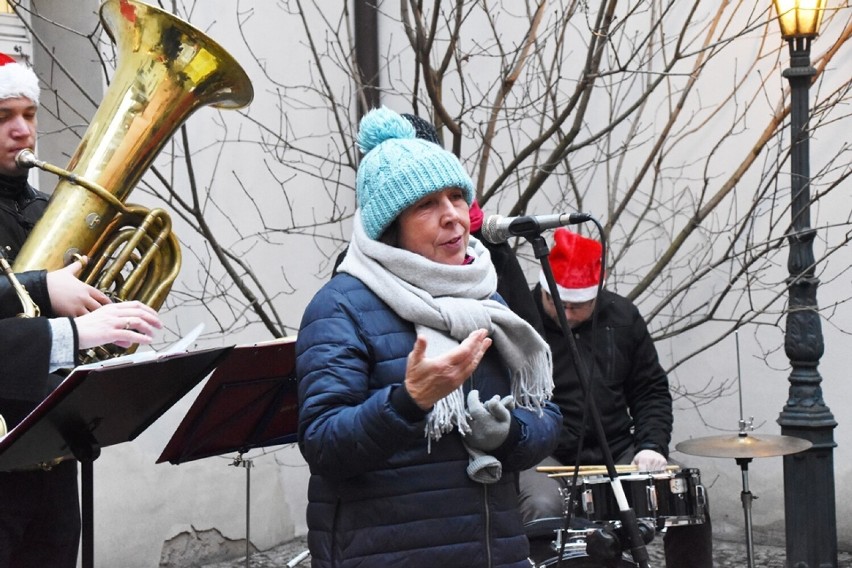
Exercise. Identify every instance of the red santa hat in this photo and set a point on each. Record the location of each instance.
(576, 264)
(17, 80)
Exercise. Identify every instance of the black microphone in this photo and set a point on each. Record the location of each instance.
(497, 229)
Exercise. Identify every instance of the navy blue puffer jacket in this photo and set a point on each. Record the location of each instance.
(378, 497)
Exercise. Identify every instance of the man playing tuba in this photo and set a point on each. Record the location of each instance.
(40, 516)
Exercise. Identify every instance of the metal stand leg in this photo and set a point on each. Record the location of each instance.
(747, 498)
(87, 547)
(240, 462)
(85, 448)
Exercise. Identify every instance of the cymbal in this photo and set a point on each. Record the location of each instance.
(743, 445)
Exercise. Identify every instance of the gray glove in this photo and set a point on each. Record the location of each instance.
(489, 422)
(483, 468)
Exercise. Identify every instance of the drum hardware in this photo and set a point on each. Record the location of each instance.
(743, 447)
(607, 545)
(596, 546)
(681, 498)
(587, 501)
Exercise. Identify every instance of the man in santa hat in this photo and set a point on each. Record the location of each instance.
(630, 387)
(40, 513)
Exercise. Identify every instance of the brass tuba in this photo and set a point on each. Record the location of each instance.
(166, 69)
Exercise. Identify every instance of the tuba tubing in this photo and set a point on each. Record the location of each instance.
(29, 307)
(166, 69)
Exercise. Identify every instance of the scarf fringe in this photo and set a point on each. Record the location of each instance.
(530, 387)
(447, 414)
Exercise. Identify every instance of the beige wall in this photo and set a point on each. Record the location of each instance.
(194, 508)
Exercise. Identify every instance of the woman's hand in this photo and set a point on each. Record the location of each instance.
(429, 380)
(71, 297)
(122, 324)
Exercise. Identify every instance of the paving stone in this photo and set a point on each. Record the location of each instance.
(726, 554)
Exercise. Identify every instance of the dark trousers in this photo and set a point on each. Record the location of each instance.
(687, 545)
(40, 518)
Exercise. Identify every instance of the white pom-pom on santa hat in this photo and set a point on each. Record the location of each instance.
(576, 264)
(17, 80)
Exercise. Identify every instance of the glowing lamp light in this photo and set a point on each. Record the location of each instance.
(799, 18)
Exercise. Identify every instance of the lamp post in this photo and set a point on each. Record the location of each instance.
(811, 526)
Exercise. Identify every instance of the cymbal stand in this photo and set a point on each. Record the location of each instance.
(747, 497)
(743, 448)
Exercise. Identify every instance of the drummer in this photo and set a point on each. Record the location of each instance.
(631, 390)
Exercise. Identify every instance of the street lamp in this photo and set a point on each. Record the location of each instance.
(799, 18)
(810, 516)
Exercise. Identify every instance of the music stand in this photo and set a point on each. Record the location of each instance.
(249, 402)
(96, 407)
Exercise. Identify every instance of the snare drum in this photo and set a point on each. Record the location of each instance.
(597, 500)
(671, 498)
(680, 497)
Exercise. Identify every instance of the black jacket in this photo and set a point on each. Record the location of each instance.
(24, 343)
(631, 388)
(20, 207)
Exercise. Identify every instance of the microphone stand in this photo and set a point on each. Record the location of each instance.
(628, 516)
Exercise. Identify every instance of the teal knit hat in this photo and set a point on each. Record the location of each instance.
(398, 169)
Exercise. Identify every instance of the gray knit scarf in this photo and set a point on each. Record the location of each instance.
(446, 303)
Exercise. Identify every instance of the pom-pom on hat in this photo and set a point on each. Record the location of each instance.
(398, 169)
(17, 80)
(576, 264)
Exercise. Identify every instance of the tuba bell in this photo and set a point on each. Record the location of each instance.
(165, 70)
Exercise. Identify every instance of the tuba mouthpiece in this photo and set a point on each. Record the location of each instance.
(26, 159)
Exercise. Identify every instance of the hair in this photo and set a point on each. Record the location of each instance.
(390, 236)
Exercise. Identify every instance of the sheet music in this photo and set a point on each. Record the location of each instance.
(182, 345)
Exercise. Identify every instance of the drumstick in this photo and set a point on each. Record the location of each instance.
(547, 468)
(582, 468)
(563, 471)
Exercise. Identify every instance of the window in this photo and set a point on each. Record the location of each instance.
(14, 36)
